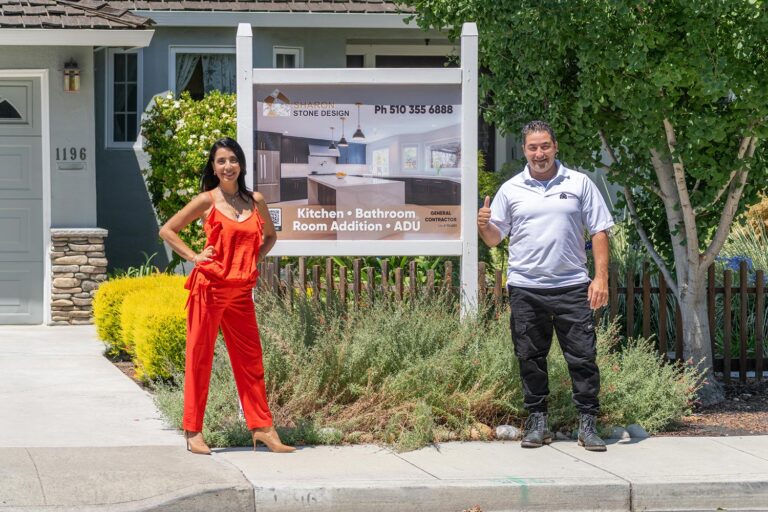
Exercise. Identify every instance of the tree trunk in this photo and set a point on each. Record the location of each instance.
(696, 338)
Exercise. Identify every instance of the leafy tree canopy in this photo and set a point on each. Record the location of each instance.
(671, 96)
(678, 81)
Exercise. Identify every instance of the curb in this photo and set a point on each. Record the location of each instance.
(120, 479)
(447, 496)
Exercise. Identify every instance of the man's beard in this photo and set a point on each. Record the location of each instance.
(542, 167)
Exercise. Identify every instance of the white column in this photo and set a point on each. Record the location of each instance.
(469, 172)
(244, 47)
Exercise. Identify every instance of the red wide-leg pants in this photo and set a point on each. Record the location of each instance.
(231, 308)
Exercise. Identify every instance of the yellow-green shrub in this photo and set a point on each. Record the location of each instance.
(108, 301)
(757, 215)
(149, 284)
(106, 310)
(157, 323)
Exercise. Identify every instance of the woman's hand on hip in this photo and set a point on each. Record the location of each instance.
(205, 256)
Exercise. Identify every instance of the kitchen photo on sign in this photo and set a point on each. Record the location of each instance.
(351, 168)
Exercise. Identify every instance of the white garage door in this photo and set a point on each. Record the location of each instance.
(21, 203)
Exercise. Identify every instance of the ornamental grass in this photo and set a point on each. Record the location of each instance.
(412, 373)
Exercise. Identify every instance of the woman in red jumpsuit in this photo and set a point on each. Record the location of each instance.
(239, 233)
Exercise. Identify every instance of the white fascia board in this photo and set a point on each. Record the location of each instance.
(357, 76)
(75, 37)
(274, 19)
(367, 248)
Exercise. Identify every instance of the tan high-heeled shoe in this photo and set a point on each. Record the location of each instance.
(196, 443)
(269, 436)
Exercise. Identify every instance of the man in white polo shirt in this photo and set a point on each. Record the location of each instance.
(546, 211)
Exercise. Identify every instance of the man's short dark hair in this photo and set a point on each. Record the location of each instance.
(538, 126)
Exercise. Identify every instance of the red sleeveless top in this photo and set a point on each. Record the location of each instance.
(236, 245)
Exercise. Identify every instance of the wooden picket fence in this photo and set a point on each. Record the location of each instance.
(357, 285)
(742, 303)
(743, 311)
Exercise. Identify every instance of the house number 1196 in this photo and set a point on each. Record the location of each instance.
(70, 154)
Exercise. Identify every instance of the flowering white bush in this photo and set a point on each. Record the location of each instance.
(177, 136)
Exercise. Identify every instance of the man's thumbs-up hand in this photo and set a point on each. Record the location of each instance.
(484, 213)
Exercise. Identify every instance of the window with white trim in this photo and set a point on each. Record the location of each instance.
(202, 69)
(355, 61)
(401, 55)
(123, 110)
(287, 57)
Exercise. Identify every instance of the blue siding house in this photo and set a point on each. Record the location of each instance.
(193, 49)
(75, 78)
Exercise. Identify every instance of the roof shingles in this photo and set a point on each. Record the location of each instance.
(118, 14)
(68, 14)
(328, 6)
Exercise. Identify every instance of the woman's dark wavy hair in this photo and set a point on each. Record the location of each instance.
(209, 181)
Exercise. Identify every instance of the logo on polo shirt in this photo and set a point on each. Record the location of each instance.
(563, 195)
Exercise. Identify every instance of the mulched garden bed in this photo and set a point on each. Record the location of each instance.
(744, 412)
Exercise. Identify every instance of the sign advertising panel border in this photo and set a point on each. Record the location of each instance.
(365, 162)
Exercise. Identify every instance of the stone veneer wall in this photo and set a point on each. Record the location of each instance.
(78, 264)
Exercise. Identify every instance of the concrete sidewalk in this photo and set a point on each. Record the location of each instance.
(76, 434)
(655, 474)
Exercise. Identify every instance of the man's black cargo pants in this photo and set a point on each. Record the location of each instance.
(534, 314)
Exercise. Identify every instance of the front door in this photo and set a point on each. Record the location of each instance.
(21, 202)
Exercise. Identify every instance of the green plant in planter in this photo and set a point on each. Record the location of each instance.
(178, 133)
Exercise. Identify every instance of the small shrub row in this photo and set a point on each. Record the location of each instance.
(143, 318)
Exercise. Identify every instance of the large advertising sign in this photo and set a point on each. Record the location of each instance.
(360, 161)
(365, 161)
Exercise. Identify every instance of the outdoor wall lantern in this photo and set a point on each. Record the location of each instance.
(358, 136)
(343, 141)
(71, 76)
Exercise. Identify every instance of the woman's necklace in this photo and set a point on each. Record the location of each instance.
(231, 200)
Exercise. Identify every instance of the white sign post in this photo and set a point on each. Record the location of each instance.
(469, 277)
(460, 240)
(244, 62)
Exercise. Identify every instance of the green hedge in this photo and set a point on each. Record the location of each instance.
(178, 132)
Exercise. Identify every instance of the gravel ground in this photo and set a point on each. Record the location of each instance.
(743, 413)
